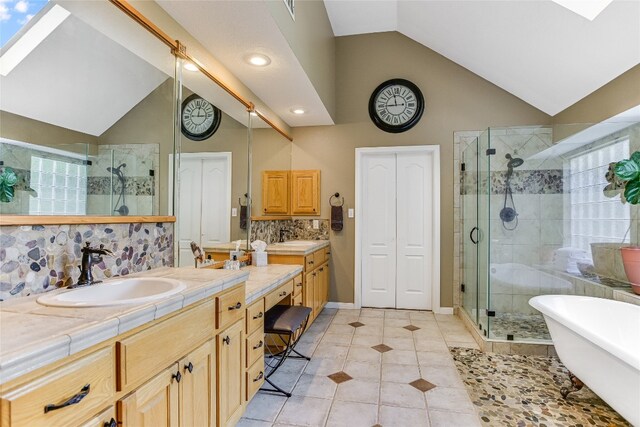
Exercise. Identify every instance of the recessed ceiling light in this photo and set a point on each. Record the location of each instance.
(258, 59)
(190, 66)
(298, 110)
(586, 8)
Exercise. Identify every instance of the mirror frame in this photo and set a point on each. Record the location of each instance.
(180, 51)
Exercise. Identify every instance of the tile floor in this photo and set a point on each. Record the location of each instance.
(372, 367)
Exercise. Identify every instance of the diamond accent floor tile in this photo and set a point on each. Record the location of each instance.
(411, 328)
(382, 348)
(340, 377)
(356, 324)
(422, 385)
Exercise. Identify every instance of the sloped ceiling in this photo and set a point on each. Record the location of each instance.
(87, 95)
(539, 51)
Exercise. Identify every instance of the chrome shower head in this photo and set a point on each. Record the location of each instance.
(514, 162)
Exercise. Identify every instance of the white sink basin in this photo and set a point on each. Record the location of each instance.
(299, 243)
(135, 290)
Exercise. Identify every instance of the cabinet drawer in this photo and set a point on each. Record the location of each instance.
(309, 263)
(230, 307)
(297, 300)
(318, 257)
(106, 418)
(41, 402)
(297, 285)
(255, 378)
(147, 352)
(255, 316)
(255, 347)
(277, 295)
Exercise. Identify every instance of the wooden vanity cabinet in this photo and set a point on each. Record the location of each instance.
(197, 389)
(315, 279)
(275, 192)
(154, 403)
(231, 372)
(305, 192)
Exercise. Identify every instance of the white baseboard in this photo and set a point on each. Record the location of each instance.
(444, 310)
(340, 305)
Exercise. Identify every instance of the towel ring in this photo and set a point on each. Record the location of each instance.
(336, 195)
(240, 200)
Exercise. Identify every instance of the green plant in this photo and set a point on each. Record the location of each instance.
(8, 179)
(628, 171)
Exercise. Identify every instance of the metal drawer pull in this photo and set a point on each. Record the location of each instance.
(283, 293)
(299, 285)
(258, 316)
(177, 376)
(259, 377)
(236, 307)
(111, 423)
(189, 367)
(72, 401)
(226, 340)
(257, 346)
(310, 262)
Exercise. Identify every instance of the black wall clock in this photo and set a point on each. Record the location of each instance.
(396, 105)
(200, 118)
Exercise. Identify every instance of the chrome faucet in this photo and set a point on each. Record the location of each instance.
(90, 256)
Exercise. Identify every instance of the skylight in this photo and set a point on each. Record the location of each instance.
(589, 9)
(14, 14)
(28, 41)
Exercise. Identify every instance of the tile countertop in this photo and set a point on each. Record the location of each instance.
(33, 335)
(292, 249)
(263, 280)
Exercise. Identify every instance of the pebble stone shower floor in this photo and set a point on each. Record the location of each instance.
(401, 368)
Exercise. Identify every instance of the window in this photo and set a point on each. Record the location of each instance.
(61, 187)
(594, 217)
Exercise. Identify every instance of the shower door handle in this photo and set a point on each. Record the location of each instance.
(475, 242)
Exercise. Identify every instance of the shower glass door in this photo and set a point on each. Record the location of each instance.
(484, 233)
(469, 194)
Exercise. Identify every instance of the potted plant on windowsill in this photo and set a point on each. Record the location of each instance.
(627, 173)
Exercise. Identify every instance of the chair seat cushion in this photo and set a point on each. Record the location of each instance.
(285, 319)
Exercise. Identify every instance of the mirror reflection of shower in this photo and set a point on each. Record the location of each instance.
(123, 209)
(508, 214)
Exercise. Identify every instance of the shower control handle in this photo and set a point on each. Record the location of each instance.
(475, 242)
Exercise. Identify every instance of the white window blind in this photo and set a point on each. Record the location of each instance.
(594, 217)
(61, 187)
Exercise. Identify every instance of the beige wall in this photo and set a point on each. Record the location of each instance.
(456, 99)
(613, 98)
(269, 151)
(24, 129)
(311, 39)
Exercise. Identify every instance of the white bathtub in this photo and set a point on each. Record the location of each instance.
(598, 340)
(522, 279)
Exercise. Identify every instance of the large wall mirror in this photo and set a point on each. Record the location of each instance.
(87, 119)
(213, 194)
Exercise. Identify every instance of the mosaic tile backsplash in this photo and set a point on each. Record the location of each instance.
(297, 229)
(36, 259)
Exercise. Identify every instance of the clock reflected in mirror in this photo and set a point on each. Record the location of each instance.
(396, 105)
(200, 118)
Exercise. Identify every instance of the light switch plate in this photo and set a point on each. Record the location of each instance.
(234, 211)
(316, 224)
(350, 213)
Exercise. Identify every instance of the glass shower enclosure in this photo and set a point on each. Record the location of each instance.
(534, 208)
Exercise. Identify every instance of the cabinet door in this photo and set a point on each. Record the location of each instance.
(154, 404)
(309, 291)
(275, 192)
(230, 374)
(317, 297)
(106, 418)
(305, 192)
(198, 387)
